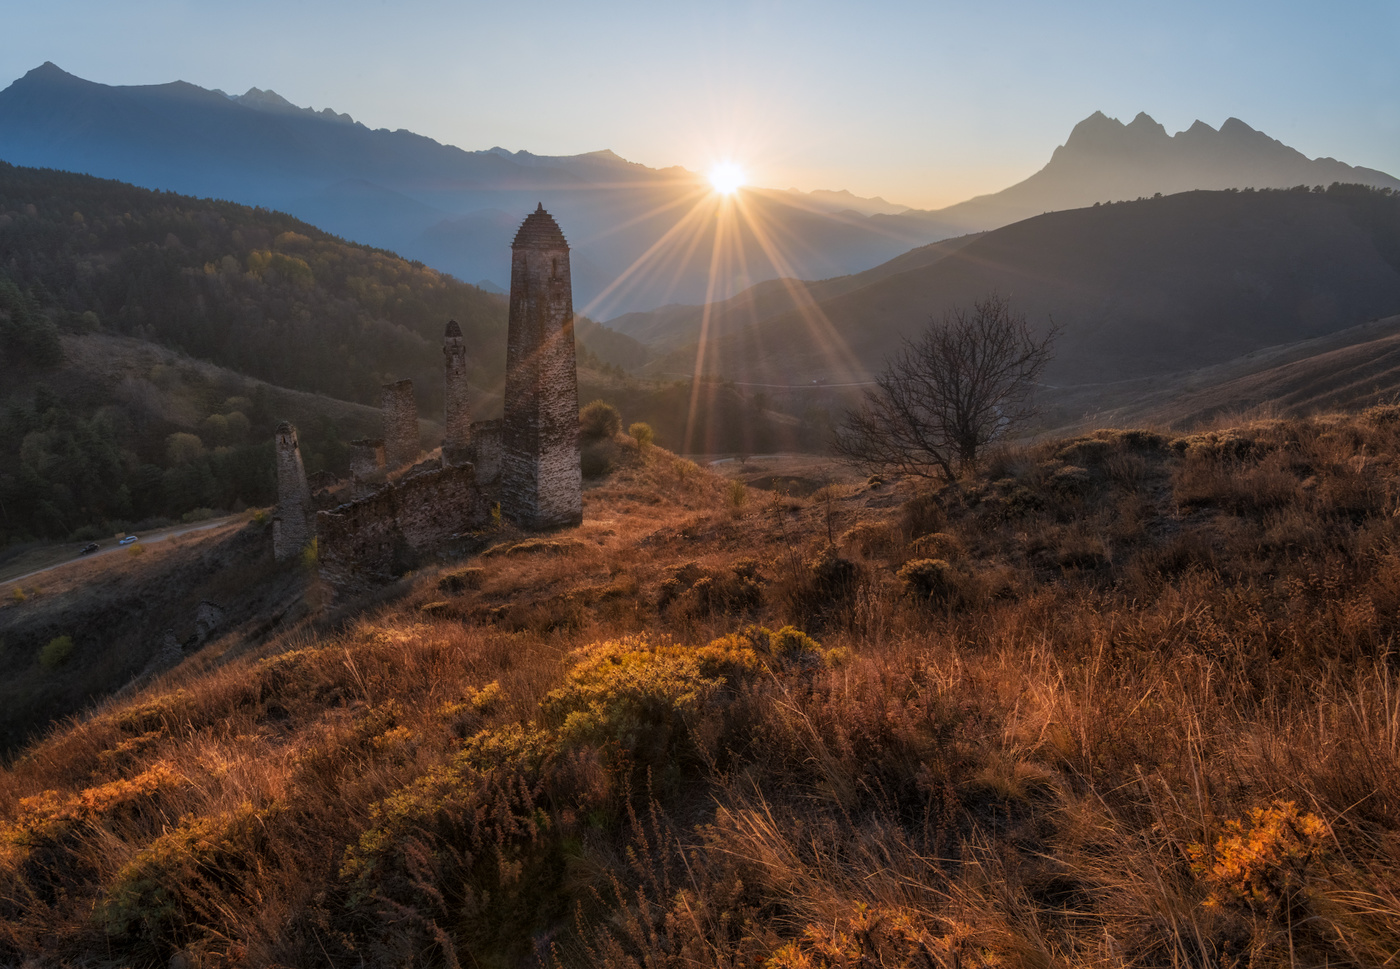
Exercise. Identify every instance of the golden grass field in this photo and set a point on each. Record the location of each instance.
(1127, 699)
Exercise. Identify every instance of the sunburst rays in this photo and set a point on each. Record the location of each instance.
(747, 237)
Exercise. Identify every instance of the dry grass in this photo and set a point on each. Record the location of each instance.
(1153, 719)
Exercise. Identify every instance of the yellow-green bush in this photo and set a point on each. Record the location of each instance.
(56, 652)
(159, 901)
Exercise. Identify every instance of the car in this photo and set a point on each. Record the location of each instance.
(128, 540)
(89, 548)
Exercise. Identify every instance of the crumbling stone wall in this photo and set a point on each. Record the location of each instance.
(541, 483)
(401, 439)
(458, 415)
(383, 535)
(292, 523)
(484, 451)
(366, 458)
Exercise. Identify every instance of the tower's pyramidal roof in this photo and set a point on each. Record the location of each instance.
(453, 330)
(539, 231)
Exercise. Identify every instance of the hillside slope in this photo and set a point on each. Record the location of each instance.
(1348, 370)
(677, 325)
(1138, 288)
(1124, 699)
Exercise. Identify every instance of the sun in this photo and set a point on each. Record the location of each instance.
(727, 178)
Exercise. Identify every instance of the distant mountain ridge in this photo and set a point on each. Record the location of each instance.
(639, 239)
(1104, 160)
(452, 209)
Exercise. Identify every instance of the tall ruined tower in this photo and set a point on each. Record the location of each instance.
(401, 442)
(458, 415)
(541, 484)
(292, 526)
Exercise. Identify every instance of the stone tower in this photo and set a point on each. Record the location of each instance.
(459, 415)
(292, 526)
(401, 443)
(541, 484)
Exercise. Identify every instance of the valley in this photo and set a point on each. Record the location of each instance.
(502, 598)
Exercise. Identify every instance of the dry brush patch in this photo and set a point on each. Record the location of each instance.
(1126, 699)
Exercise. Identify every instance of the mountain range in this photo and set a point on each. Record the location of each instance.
(642, 237)
(1144, 288)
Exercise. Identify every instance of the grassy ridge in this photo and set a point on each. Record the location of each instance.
(1124, 699)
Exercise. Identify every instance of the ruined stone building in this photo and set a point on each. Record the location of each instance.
(392, 514)
(541, 482)
(401, 440)
(292, 524)
(457, 412)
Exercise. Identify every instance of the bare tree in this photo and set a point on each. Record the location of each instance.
(945, 396)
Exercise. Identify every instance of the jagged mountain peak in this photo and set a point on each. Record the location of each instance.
(1234, 126)
(1146, 124)
(270, 100)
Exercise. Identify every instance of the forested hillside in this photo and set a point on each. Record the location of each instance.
(113, 430)
(107, 292)
(257, 291)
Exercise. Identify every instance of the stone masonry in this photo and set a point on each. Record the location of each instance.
(292, 524)
(401, 440)
(377, 537)
(458, 412)
(366, 458)
(541, 483)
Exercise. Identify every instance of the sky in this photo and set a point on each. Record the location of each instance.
(922, 103)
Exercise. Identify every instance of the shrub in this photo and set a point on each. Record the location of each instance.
(460, 580)
(929, 580)
(599, 420)
(870, 539)
(642, 433)
(1263, 861)
(939, 545)
(696, 591)
(310, 555)
(738, 494)
(631, 698)
(831, 574)
(56, 652)
(595, 459)
(163, 897)
(922, 514)
(1070, 481)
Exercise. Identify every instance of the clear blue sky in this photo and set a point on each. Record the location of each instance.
(925, 103)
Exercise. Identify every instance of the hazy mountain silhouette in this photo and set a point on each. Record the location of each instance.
(1140, 288)
(1105, 160)
(456, 209)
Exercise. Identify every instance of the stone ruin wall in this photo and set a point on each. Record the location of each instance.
(458, 413)
(366, 458)
(402, 442)
(541, 482)
(484, 451)
(530, 460)
(292, 522)
(380, 536)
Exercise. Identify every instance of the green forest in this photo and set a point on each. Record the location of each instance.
(253, 291)
(250, 289)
